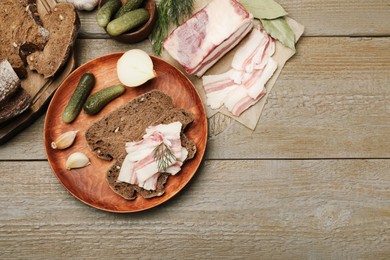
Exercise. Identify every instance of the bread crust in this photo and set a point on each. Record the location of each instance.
(19, 102)
(9, 81)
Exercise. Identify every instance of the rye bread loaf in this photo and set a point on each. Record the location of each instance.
(63, 24)
(19, 102)
(21, 32)
(107, 137)
(9, 81)
(14, 100)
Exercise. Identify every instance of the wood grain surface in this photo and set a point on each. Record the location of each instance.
(311, 182)
(320, 17)
(330, 101)
(305, 209)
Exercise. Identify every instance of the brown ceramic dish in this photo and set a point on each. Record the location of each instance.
(89, 184)
(140, 33)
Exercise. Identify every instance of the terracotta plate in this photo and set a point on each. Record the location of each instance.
(89, 184)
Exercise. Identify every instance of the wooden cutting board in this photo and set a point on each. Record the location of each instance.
(39, 88)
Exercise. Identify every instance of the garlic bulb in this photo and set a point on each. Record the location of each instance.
(86, 5)
(65, 140)
(77, 160)
(134, 68)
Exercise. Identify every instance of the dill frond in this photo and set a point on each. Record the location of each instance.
(170, 12)
(163, 156)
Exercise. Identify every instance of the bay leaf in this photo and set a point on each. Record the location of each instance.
(280, 30)
(264, 9)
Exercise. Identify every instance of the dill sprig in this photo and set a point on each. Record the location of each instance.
(163, 156)
(169, 12)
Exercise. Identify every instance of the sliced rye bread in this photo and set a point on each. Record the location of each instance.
(174, 115)
(129, 191)
(160, 190)
(19, 102)
(21, 32)
(63, 24)
(14, 100)
(107, 137)
(9, 81)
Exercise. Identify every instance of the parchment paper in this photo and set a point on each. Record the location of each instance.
(251, 116)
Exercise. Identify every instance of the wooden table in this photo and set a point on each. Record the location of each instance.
(311, 182)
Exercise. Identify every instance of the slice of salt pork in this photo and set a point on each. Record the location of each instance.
(208, 35)
(248, 53)
(140, 167)
(217, 87)
(244, 84)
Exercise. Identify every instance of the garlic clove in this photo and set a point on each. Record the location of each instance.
(134, 68)
(77, 160)
(83, 5)
(65, 140)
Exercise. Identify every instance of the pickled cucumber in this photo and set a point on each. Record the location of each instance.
(107, 11)
(127, 22)
(80, 94)
(100, 99)
(130, 5)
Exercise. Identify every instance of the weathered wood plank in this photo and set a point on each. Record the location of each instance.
(342, 18)
(331, 101)
(28, 144)
(236, 209)
(321, 18)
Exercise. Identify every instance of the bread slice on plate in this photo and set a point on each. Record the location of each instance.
(108, 136)
(129, 191)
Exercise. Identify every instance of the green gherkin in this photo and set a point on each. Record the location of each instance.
(130, 5)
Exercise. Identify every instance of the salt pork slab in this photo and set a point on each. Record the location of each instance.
(208, 35)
